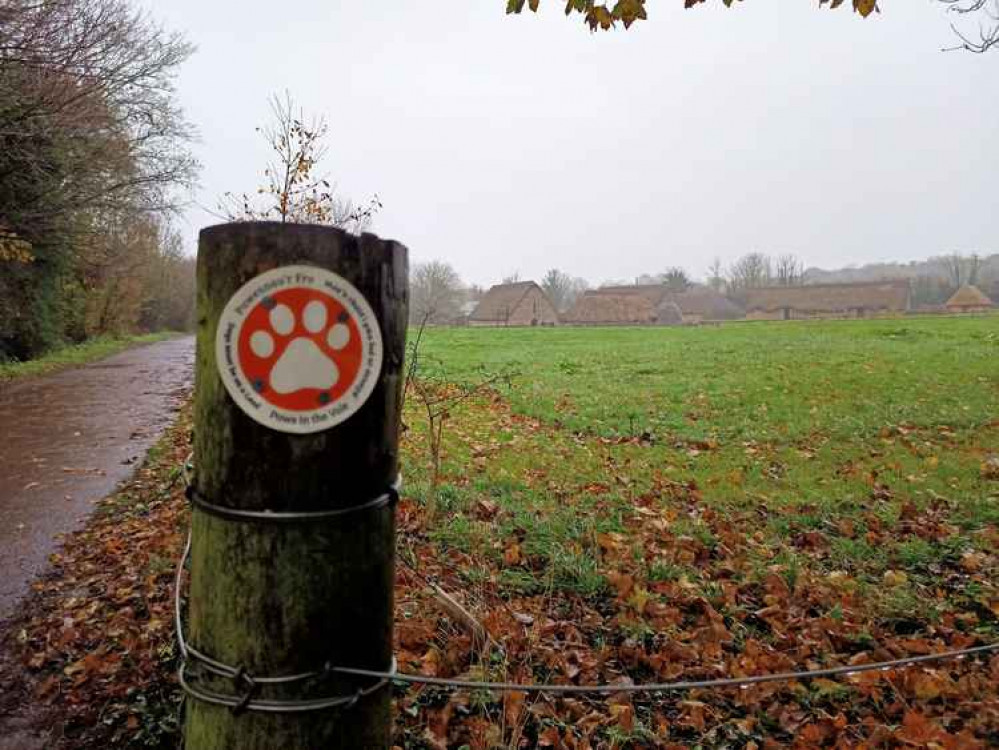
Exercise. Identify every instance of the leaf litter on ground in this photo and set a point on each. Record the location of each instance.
(588, 558)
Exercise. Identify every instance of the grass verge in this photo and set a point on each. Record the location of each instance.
(77, 354)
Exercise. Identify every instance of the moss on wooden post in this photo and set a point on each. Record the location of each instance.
(284, 599)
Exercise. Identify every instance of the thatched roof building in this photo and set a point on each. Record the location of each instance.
(828, 300)
(654, 293)
(523, 303)
(969, 298)
(669, 314)
(701, 304)
(595, 308)
(653, 304)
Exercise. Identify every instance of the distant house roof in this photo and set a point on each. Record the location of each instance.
(700, 301)
(878, 295)
(599, 307)
(969, 296)
(654, 293)
(501, 300)
(706, 303)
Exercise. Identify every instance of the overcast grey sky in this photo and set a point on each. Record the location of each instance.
(522, 143)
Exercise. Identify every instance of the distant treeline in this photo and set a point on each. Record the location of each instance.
(93, 150)
(440, 297)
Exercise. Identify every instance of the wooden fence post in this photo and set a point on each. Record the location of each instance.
(276, 596)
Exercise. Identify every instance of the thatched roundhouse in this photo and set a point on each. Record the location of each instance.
(864, 300)
(669, 314)
(523, 303)
(969, 299)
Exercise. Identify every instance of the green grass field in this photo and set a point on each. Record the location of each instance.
(76, 354)
(789, 412)
(824, 490)
(758, 381)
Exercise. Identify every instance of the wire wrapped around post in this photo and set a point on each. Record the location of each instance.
(245, 700)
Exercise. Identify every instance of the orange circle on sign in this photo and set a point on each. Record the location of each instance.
(300, 349)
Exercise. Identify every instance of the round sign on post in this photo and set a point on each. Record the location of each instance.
(299, 349)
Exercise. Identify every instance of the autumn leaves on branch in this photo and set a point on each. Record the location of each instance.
(605, 15)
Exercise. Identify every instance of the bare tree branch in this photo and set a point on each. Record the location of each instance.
(987, 32)
(293, 191)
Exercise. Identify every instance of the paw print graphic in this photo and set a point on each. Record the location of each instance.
(300, 349)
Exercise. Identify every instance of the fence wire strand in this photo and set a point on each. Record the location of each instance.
(383, 678)
(667, 687)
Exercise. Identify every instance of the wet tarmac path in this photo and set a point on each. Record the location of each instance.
(66, 440)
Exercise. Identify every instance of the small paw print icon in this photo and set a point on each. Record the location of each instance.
(299, 349)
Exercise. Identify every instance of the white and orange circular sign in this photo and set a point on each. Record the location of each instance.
(299, 349)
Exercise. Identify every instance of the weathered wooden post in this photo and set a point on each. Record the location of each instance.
(301, 338)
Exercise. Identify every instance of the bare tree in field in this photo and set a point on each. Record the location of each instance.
(293, 189)
(751, 271)
(558, 286)
(953, 267)
(676, 279)
(789, 270)
(436, 294)
(579, 285)
(961, 269)
(716, 275)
